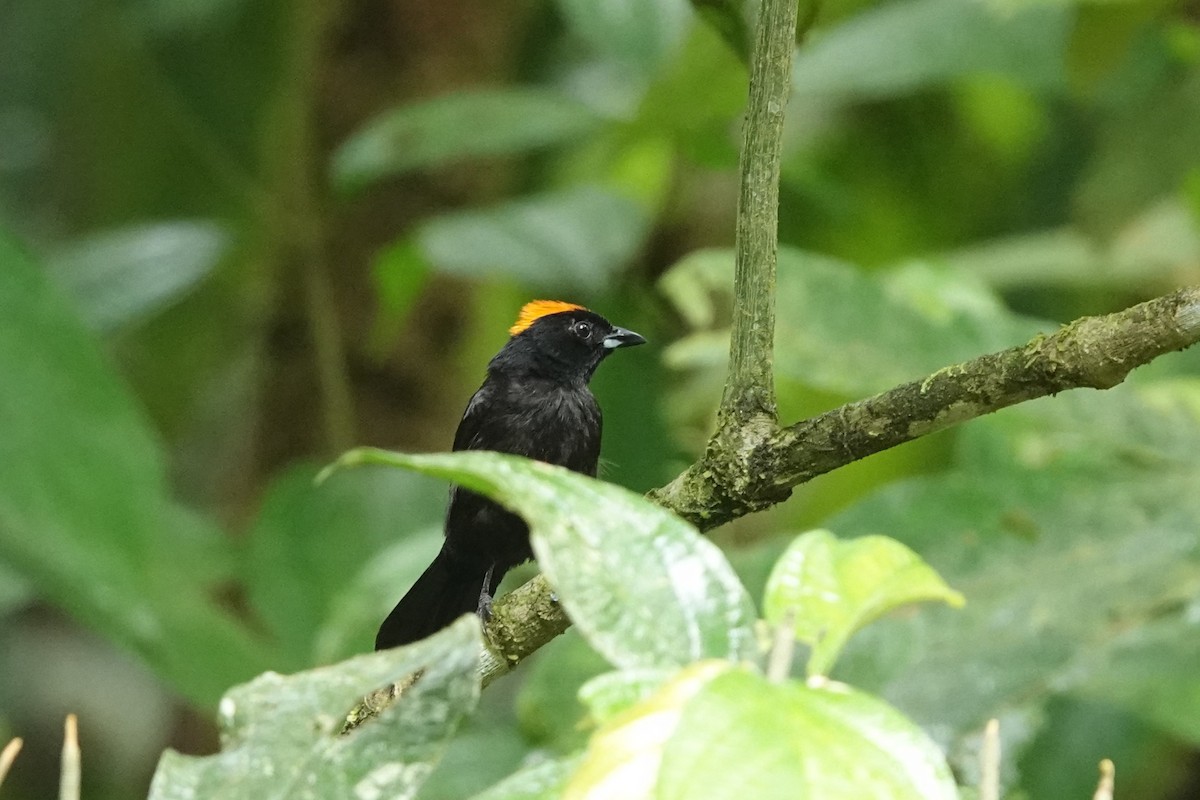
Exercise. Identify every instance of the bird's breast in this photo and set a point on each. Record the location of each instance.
(557, 425)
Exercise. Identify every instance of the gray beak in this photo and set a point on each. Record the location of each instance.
(622, 338)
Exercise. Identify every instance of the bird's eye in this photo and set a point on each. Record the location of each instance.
(582, 329)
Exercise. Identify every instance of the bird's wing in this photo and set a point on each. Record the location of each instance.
(472, 422)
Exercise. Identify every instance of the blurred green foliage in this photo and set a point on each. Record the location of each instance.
(241, 237)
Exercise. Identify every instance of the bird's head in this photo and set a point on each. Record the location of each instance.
(560, 340)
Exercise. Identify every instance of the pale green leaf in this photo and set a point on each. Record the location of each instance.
(118, 277)
(743, 737)
(281, 735)
(623, 756)
(434, 132)
(845, 331)
(830, 588)
(574, 238)
(643, 586)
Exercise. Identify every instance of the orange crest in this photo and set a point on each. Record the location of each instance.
(533, 311)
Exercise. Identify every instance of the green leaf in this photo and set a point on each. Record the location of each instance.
(117, 277)
(543, 780)
(461, 125)
(643, 586)
(623, 756)
(698, 99)
(896, 48)
(639, 34)
(1143, 153)
(1103, 34)
(727, 17)
(742, 737)
(1070, 523)
(547, 705)
(359, 603)
(281, 734)
(1148, 251)
(308, 545)
(485, 750)
(845, 331)
(85, 511)
(398, 273)
(575, 238)
(15, 591)
(609, 694)
(833, 588)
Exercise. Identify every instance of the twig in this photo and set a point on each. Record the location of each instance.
(989, 762)
(8, 755)
(1108, 773)
(69, 780)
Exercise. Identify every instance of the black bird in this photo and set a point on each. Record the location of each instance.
(535, 402)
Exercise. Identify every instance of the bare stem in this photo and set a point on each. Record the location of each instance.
(989, 762)
(750, 387)
(69, 779)
(8, 755)
(1108, 773)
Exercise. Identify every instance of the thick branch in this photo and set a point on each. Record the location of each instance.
(750, 387)
(1095, 352)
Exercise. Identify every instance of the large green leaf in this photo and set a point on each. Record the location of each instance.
(120, 276)
(896, 48)
(281, 734)
(643, 586)
(455, 126)
(85, 511)
(841, 330)
(1151, 250)
(575, 238)
(363, 599)
(1070, 526)
(741, 737)
(831, 588)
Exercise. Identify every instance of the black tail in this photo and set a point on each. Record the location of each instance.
(441, 595)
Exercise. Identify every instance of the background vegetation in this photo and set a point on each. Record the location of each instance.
(242, 237)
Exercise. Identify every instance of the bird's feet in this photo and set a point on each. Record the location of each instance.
(485, 607)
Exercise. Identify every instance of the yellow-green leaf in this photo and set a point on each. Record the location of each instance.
(831, 588)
